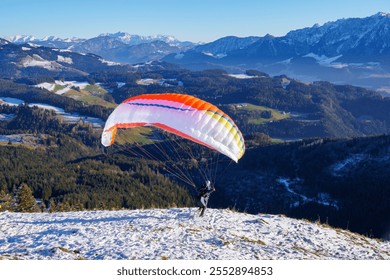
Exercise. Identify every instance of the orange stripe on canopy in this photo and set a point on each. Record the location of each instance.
(159, 125)
(126, 125)
(188, 100)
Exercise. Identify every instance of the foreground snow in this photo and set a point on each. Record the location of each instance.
(177, 234)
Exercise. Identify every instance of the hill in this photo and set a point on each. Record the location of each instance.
(177, 234)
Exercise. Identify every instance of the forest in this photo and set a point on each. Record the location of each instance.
(66, 169)
(343, 182)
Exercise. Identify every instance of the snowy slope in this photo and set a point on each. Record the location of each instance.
(177, 234)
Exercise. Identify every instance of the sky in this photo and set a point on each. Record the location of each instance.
(187, 20)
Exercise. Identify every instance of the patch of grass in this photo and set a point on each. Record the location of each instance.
(264, 221)
(250, 108)
(91, 99)
(58, 87)
(193, 230)
(162, 229)
(304, 250)
(140, 135)
(8, 257)
(63, 250)
(95, 89)
(226, 242)
(247, 239)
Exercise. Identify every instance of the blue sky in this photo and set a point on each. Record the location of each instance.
(193, 20)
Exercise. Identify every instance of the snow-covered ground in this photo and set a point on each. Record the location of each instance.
(341, 167)
(6, 117)
(10, 101)
(66, 86)
(161, 82)
(71, 117)
(67, 117)
(241, 76)
(322, 198)
(324, 60)
(37, 61)
(177, 234)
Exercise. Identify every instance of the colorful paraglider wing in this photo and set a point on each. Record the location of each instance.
(181, 114)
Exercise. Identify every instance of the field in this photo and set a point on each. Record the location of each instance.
(260, 114)
(82, 91)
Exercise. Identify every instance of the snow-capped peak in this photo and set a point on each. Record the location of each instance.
(23, 39)
(51, 38)
(382, 14)
(20, 39)
(132, 39)
(344, 33)
(3, 42)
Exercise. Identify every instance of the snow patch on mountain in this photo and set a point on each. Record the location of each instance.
(322, 198)
(323, 60)
(131, 39)
(66, 86)
(61, 58)
(20, 39)
(10, 101)
(37, 61)
(161, 82)
(6, 117)
(341, 167)
(67, 116)
(241, 76)
(46, 85)
(109, 63)
(23, 39)
(218, 55)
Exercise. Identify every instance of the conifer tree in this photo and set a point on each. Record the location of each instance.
(6, 200)
(52, 206)
(25, 200)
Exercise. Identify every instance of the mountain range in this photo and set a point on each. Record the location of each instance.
(354, 50)
(347, 51)
(30, 60)
(120, 47)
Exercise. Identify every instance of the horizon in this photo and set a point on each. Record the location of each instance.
(184, 20)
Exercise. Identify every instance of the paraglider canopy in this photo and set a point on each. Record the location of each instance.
(184, 115)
